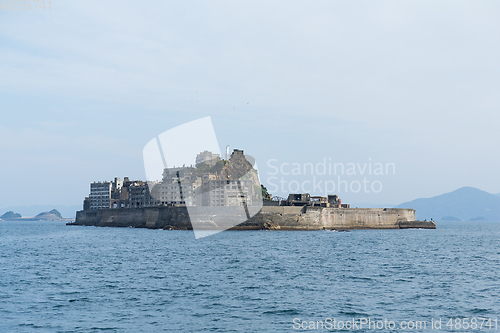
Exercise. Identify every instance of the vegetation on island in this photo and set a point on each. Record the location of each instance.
(206, 168)
(265, 195)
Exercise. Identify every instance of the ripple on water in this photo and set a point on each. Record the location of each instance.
(86, 279)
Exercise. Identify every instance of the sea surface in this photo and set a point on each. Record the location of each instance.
(58, 278)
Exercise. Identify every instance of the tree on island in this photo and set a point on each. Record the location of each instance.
(10, 215)
(265, 195)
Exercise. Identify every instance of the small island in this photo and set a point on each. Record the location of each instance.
(217, 194)
(10, 215)
(53, 215)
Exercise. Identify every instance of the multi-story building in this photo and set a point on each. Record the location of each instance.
(86, 203)
(139, 195)
(179, 186)
(208, 158)
(100, 195)
(216, 191)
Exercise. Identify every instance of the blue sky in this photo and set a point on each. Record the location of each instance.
(85, 86)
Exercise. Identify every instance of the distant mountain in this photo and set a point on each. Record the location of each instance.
(466, 203)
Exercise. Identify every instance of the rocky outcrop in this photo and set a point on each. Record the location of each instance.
(417, 225)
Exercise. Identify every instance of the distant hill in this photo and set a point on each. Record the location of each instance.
(56, 213)
(466, 203)
(66, 211)
(53, 215)
(10, 215)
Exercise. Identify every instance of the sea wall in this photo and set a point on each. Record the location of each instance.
(366, 218)
(148, 217)
(315, 218)
(270, 217)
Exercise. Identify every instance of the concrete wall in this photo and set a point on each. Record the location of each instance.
(147, 217)
(366, 218)
(270, 217)
(316, 218)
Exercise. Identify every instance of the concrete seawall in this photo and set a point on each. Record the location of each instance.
(270, 218)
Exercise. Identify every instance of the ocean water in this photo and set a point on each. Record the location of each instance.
(58, 278)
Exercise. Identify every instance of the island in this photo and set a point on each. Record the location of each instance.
(225, 194)
(53, 215)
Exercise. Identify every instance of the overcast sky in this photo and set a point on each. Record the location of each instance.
(85, 86)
